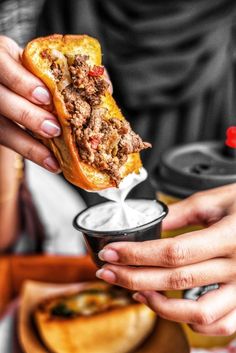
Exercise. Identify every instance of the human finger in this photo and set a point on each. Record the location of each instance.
(13, 137)
(151, 278)
(225, 326)
(19, 80)
(215, 241)
(107, 78)
(206, 310)
(28, 114)
(11, 47)
(204, 208)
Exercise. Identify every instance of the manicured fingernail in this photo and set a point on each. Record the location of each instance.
(51, 164)
(139, 298)
(42, 95)
(108, 255)
(106, 275)
(50, 128)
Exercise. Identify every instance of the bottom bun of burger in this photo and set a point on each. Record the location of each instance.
(99, 319)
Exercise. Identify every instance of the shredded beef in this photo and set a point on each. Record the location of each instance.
(106, 144)
(103, 143)
(90, 88)
(78, 108)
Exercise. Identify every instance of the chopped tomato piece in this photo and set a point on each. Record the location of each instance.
(94, 142)
(96, 71)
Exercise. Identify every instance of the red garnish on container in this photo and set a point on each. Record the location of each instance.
(231, 137)
(96, 71)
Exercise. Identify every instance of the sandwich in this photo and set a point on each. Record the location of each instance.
(97, 147)
(101, 318)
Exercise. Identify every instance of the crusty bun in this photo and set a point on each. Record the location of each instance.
(99, 319)
(93, 158)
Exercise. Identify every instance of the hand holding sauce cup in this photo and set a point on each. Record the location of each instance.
(117, 220)
(107, 222)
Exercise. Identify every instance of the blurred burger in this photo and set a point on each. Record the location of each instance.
(101, 318)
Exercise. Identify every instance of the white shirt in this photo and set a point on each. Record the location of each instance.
(57, 204)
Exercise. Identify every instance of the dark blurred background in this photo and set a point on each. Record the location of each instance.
(171, 63)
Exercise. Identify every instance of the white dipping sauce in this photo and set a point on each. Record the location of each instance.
(119, 214)
(109, 216)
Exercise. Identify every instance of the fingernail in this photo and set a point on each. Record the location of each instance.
(106, 275)
(50, 128)
(139, 298)
(51, 164)
(42, 95)
(108, 255)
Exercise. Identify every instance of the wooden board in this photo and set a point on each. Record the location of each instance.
(52, 268)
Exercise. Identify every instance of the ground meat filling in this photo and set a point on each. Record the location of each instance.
(102, 143)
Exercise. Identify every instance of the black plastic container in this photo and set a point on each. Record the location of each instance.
(96, 240)
(187, 169)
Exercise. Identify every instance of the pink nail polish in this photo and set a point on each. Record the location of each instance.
(140, 298)
(99, 273)
(106, 275)
(51, 164)
(42, 95)
(108, 255)
(50, 128)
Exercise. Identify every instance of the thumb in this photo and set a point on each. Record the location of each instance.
(184, 213)
(202, 208)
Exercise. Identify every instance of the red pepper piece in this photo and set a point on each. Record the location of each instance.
(96, 71)
(94, 142)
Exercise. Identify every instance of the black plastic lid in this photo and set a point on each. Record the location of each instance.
(194, 167)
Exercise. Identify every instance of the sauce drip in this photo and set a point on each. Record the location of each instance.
(118, 213)
(124, 213)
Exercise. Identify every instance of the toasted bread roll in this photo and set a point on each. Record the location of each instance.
(99, 319)
(97, 148)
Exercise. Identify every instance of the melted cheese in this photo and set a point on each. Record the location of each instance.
(88, 304)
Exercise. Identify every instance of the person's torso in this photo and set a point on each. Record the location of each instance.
(162, 52)
(18, 19)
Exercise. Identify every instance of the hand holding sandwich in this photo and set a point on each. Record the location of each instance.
(190, 260)
(23, 99)
(93, 143)
(97, 147)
